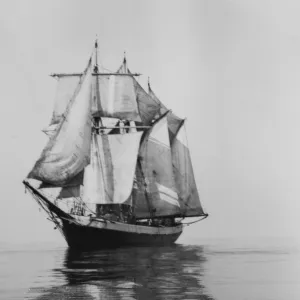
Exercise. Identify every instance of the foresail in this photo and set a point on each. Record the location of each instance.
(156, 165)
(68, 150)
(108, 179)
(184, 176)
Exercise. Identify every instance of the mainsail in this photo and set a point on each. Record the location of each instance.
(148, 108)
(184, 176)
(68, 150)
(156, 168)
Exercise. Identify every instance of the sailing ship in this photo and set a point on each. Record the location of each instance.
(116, 169)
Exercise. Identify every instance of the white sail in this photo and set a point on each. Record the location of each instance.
(114, 96)
(66, 86)
(68, 151)
(156, 163)
(108, 179)
(184, 176)
(147, 105)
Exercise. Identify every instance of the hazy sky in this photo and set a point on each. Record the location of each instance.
(231, 67)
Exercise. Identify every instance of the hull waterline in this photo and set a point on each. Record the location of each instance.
(88, 237)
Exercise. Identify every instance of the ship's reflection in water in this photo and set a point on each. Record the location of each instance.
(133, 273)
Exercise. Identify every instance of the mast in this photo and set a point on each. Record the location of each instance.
(97, 119)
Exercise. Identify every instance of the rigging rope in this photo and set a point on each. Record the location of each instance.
(203, 217)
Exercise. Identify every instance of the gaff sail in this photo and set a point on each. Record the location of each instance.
(68, 150)
(184, 176)
(156, 166)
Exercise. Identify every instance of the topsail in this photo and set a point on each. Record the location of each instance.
(114, 96)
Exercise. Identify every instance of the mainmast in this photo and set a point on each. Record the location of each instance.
(97, 119)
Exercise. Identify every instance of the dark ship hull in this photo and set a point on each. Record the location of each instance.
(82, 232)
(86, 237)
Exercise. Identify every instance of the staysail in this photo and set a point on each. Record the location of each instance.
(108, 179)
(184, 176)
(68, 150)
(156, 168)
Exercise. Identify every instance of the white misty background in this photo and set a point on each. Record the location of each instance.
(231, 67)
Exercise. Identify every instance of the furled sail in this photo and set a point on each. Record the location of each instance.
(114, 96)
(184, 176)
(108, 179)
(68, 150)
(156, 165)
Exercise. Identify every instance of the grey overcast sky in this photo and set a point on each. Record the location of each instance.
(231, 67)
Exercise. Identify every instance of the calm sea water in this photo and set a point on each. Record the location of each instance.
(208, 269)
